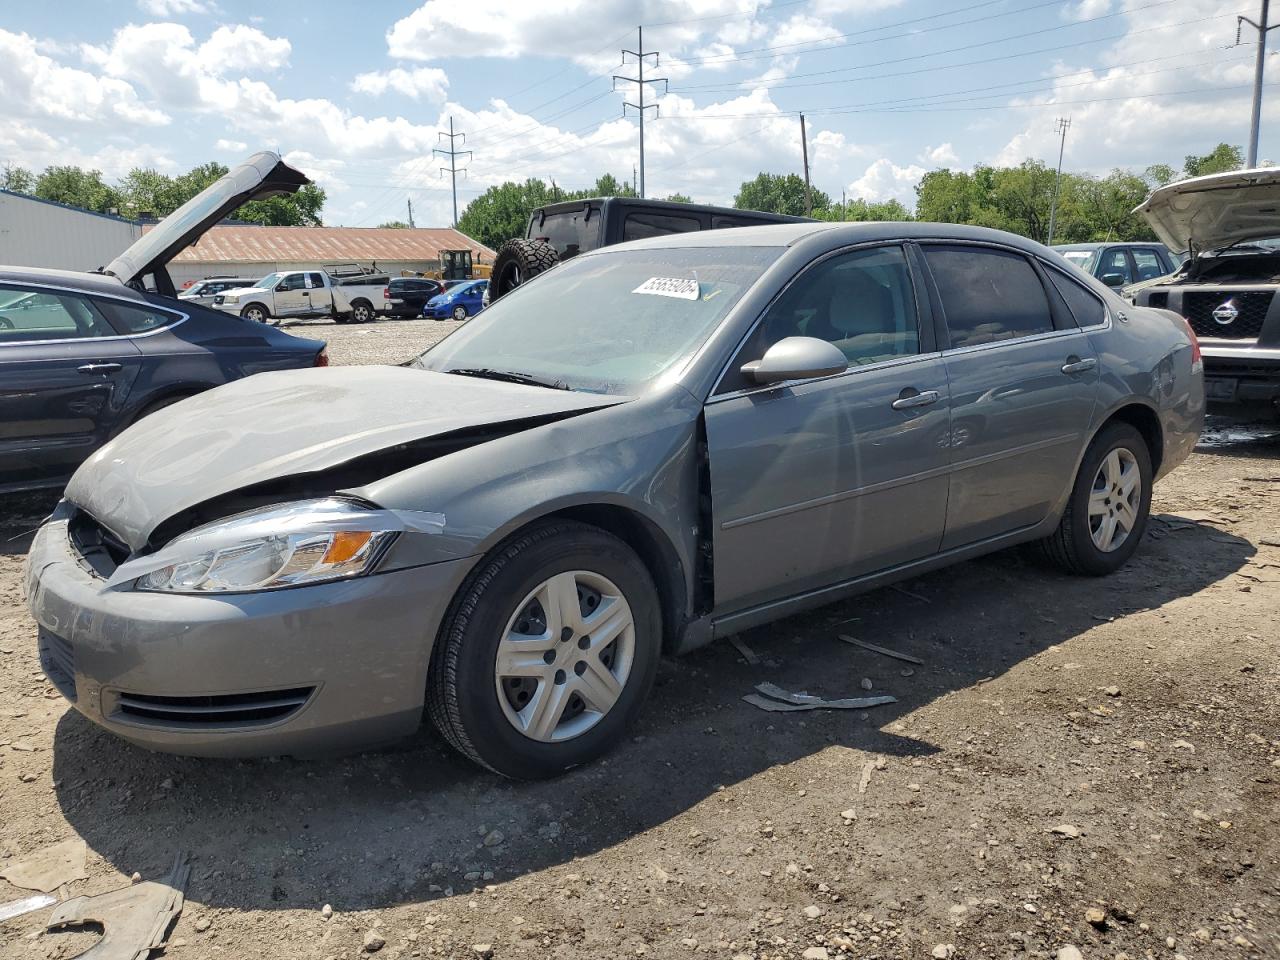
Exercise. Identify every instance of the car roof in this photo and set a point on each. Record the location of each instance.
(836, 234)
(99, 283)
(1098, 245)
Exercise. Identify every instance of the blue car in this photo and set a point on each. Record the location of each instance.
(458, 302)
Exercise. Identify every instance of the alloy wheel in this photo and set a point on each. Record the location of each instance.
(565, 656)
(1115, 499)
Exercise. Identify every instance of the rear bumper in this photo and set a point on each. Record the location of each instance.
(318, 669)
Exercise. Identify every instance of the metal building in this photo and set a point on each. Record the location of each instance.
(42, 233)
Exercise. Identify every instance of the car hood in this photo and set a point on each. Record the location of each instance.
(242, 291)
(286, 424)
(1214, 211)
(262, 175)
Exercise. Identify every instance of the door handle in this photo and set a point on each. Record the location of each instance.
(100, 368)
(910, 397)
(306, 293)
(1077, 365)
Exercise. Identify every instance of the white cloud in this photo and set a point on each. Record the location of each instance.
(244, 48)
(1086, 9)
(173, 8)
(230, 146)
(885, 180)
(37, 86)
(940, 156)
(427, 83)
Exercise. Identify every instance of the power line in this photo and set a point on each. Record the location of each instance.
(640, 54)
(453, 153)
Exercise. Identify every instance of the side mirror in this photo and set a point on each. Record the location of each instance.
(1113, 279)
(796, 358)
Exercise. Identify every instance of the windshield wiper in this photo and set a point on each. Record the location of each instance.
(508, 376)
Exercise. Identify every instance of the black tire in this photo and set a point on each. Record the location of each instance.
(459, 309)
(462, 696)
(517, 261)
(255, 312)
(1071, 546)
(362, 312)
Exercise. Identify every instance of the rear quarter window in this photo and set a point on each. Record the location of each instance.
(638, 226)
(1085, 306)
(127, 318)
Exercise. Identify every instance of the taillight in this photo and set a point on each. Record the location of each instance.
(322, 358)
(1196, 362)
(386, 293)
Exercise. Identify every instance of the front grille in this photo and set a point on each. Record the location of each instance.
(58, 660)
(1251, 307)
(230, 710)
(1158, 299)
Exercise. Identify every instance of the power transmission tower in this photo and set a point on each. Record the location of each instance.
(640, 81)
(808, 190)
(1063, 125)
(410, 213)
(1259, 65)
(453, 153)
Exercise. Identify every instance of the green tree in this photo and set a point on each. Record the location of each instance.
(17, 179)
(1220, 159)
(78, 188)
(678, 198)
(1159, 175)
(301, 209)
(606, 186)
(947, 196)
(393, 225)
(856, 211)
(778, 193)
(147, 192)
(502, 212)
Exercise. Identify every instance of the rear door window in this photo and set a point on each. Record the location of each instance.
(988, 295)
(315, 281)
(28, 315)
(638, 226)
(1087, 309)
(128, 318)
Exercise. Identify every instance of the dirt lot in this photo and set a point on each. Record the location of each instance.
(1140, 714)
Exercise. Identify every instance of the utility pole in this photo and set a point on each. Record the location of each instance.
(411, 213)
(1064, 124)
(453, 153)
(844, 206)
(808, 190)
(1259, 65)
(640, 81)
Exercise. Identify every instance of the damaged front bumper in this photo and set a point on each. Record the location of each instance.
(316, 669)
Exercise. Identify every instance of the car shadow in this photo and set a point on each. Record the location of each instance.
(20, 516)
(1225, 437)
(408, 824)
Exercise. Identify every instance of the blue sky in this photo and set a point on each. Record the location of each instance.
(356, 94)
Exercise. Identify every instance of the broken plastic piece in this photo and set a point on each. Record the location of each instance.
(16, 908)
(777, 700)
(748, 654)
(874, 648)
(135, 919)
(49, 869)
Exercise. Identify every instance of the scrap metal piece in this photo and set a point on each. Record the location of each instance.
(748, 654)
(16, 908)
(875, 648)
(49, 869)
(777, 700)
(135, 919)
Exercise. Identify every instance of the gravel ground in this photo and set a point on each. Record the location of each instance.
(383, 341)
(1078, 764)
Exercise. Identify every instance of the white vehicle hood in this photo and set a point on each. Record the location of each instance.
(241, 291)
(1214, 211)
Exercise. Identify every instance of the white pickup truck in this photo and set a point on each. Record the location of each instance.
(307, 293)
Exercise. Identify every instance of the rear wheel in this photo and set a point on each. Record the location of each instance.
(361, 311)
(1106, 515)
(548, 652)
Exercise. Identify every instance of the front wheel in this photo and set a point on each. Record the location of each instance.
(548, 652)
(459, 313)
(255, 312)
(1106, 515)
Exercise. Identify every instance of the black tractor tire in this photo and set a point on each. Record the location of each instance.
(1071, 547)
(462, 699)
(517, 261)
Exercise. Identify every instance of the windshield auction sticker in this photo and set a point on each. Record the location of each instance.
(677, 287)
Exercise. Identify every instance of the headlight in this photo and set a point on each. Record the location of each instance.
(288, 545)
(231, 299)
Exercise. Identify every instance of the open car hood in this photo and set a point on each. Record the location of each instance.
(1214, 211)
(262, 175)
(278, 432)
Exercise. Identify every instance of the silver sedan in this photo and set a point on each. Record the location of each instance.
(644, 449)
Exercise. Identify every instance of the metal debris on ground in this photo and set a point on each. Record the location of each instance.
(49, 869)
(135, 919)
(740, 645)
(905, 592)
(16, 908)
(777, 700)
(875, 648)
